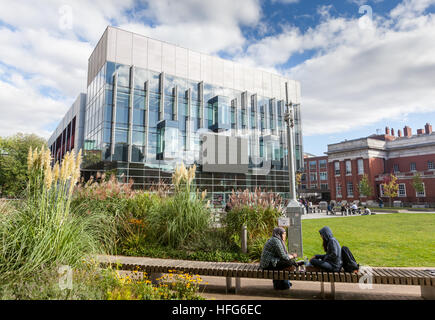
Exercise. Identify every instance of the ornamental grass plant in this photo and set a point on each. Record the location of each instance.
(182, 218)
(258, 210)
(43, 232)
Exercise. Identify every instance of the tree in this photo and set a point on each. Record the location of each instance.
(417, 184)
(365, 188)
(391, 187)
(13, 162)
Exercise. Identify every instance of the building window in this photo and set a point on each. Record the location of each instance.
(313, 176)
(360, 166)
(337, 168)
(303, 177)
(338, 190)
(422, 194)
(323, 175)
(381, 190)
(413, 167)
(396, 167)
(430, 165)
(348, 167)
(303, 186)
(313, 165)
(402, 190)
(349, 189)
(322, 164)
(324, 186)
(314, 186)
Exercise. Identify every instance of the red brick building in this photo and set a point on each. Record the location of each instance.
(378, 156)
(314, 180)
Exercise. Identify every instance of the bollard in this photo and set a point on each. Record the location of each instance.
(244, 239)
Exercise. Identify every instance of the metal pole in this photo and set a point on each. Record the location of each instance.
(294, 209)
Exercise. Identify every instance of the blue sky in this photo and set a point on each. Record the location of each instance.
(360, 70)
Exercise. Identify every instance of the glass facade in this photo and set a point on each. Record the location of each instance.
(141, 124)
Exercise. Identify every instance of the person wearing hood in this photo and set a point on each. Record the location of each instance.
(331, 261)
(276, 257)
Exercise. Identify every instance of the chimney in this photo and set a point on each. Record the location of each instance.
(419, 131)
(407, 131)
(399, 133)
(392, 132)
(387, 131)
(428, 128)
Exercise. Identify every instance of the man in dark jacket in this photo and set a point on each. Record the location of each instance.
(331, 261)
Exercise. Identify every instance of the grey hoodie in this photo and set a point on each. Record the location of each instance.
(333, 252)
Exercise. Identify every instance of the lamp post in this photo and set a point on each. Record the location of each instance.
(294, 209)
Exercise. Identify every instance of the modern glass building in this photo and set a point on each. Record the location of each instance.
(151, 105)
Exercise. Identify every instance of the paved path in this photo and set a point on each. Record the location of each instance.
(338, 215)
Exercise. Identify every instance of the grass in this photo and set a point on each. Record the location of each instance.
(396, 240)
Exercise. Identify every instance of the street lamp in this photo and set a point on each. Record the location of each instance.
(294, 209)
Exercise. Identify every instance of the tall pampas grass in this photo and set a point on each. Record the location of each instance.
(43, 232)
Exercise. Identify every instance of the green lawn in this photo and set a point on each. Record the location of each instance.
(393, 240)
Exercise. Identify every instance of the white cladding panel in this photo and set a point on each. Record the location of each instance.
(155, 55)
(228, 74)
(124, 46)
(181, 62)
(133, 49)
(168, 59)
(140, 51)
(194, 66)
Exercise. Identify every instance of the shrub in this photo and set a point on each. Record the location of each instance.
(183, 218)
(257, 210)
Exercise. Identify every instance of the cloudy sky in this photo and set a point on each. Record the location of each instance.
(363, 65)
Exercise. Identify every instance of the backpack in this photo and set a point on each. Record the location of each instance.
(349, 262)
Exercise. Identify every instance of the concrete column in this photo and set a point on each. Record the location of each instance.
(130, 114)
(202, 123)
(114, 97)
(147, 114)
(188, 124)
(162, 97)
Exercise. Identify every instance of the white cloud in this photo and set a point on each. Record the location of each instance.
(359, 75)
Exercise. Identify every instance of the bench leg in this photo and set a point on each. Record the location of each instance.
(238, 285)
(333, 290)
(228, 287)
(322, 290)
(428, 292)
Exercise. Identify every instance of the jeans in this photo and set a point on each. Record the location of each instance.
(322, 264)
(281, 284)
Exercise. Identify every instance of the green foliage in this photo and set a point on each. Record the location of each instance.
(260, 222)
(13, 166)
(417, 183)
(365, 188)
(179, 220)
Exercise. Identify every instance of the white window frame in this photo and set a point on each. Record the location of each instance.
(313, 175)
(348, 164)
(396, 165)
(431, 166)
(410, 166)
(404, 189)
(323, 174)
(338, 190)
(311, 167)
(325, 162)
(349, 194)
(360, 166)
(423, 194)
(337, 165)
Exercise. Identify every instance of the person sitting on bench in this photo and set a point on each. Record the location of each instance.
(276, 257)
(331, 261)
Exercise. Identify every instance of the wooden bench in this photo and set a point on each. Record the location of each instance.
(392, 276)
